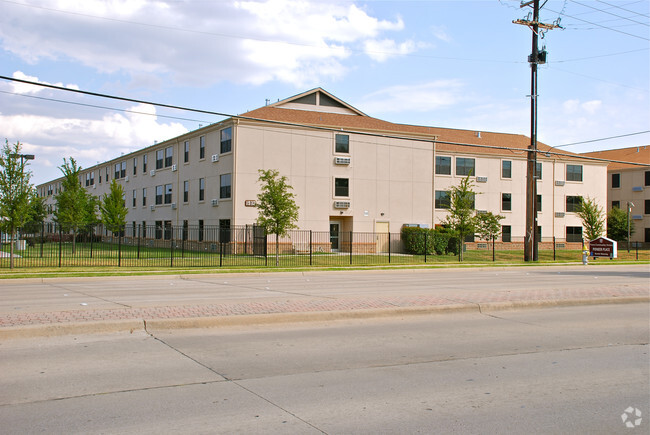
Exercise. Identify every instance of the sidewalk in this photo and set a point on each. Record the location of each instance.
(44, 307)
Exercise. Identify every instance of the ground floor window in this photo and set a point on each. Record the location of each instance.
(647, 235)
(574, 234)
(159, 226)
(224, 230)
(506, 233)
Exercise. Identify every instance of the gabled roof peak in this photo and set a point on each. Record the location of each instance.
(317, 100)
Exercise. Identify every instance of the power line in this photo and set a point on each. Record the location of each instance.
(609, 13)
(623, 9)
(604, 138)
(603, 27)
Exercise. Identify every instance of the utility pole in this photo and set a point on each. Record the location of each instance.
(536, 57)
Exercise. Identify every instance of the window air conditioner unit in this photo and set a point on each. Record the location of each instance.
(481, 211)
(342, 160)
(637, 217)
(126, 178)
(152, 207)
(637, 189)
(94, 186)
(152, 172)
(215, 158)
(215, 202)
(481, 179)
(174, 168)
(559, 183)
(341, 204)
(559, 214)
(173, 206)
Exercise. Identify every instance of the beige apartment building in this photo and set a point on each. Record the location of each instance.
(349, 171)
(628, 186)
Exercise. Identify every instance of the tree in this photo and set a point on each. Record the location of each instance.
(112, 208)
(15, 191)
(592, 217)
(37, 213)
(76, 209)
(617, 225)
(278, 210)
(462, 218)
(488, 227)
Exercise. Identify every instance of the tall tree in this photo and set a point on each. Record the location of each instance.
(15, 191)
(488, 227)
(617, 225)
(278, 211)
(37, 213)
(113, 210)
(592, 217)
(76, 209)
(462, 217)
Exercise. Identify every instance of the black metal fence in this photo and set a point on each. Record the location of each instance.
(156, 246)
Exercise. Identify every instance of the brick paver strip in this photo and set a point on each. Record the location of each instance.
(317, 305)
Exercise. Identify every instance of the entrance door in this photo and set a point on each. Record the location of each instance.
(382, 235)
(335, 236)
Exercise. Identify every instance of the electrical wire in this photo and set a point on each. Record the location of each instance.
(609, 13)
(603, 27)
(604, 138)
(623, 9)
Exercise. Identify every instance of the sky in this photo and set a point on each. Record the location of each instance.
(453, 64)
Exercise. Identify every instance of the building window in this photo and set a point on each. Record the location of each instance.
(123, 169)
(506, 233)
(647, 206)
(144, 196)
(144, 229)
(506, 201)
(225, 183)
(134, 197)
(117, 171)
(506, 169)
(144, 163)
(443, 165)
(616, 181)
(647, 178)
(135, 165)
(574, 234)
(159, 229)
(201, 189)
(647, 235)
(168, 193)
(539, 203)
(573, 203)
(226, 140)
(186, 152)
(341, 187)
(202, 147)
(168, 230)
(464, 166)
(200, 230)
(169, 155)
(107, 174)
(573, 172)
(442, 199)
(616, 204)
(224, 230)
(186, 191)
(159, 195)
(160, 159)
(342, 144)
(186, 227)
(538, 170)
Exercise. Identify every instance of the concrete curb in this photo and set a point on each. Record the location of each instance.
(157, 325)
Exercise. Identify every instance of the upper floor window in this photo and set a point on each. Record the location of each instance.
(506, 201)
(169, 154)
(117, 171)
(123, 169)
(443, 165)
(135, 165)
(202, 147)
(616, 181)
(342, 143)
(160, 159)
(616, 204)
(442, 199)
(225, 185)
(647, 178)
(186, 191)
(341, 187)
(464, 166)
(144, 163)
(186, 151)
(538, 170)
(573, 172)
(226, 140)
(201, 189)
(573, 203)
(159, 195)
(168, 193)
(506, 169)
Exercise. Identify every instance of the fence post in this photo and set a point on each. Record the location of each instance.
(220, 252)
(553, 248)
(351, 237)
(171, 248)
(92, 237)
(426, 246)
(637, 250)
(311, 249)
(60, 245)
(119, 249)
(494, 238)
(42, 237)
(389, 247)
(139, 233)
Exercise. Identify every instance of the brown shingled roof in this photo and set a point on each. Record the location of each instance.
(640, 154)
(374, 125)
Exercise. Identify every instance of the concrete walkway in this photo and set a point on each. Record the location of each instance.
(55, 306)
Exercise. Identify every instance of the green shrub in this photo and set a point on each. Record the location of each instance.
(415, 240)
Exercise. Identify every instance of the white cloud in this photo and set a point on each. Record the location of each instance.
(197, 43)
(440, 32)
(417, 98)
(381, 50)
(25, 88)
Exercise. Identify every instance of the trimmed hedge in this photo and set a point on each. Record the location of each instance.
(437, 241)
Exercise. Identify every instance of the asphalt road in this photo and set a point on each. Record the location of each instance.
(555, 370)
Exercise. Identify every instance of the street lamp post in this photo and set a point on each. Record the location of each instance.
(629, 210)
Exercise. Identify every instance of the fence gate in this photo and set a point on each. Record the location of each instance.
(259, 241)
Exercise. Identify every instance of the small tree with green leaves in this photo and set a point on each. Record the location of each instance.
(592, 217)
(37, 213)
(113, 210)
(278, 211)
(15, 191)
(488, 226)
(617, 225)
(462, 217)
(76, 209)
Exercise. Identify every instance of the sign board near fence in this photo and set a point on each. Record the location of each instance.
(603, 247)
